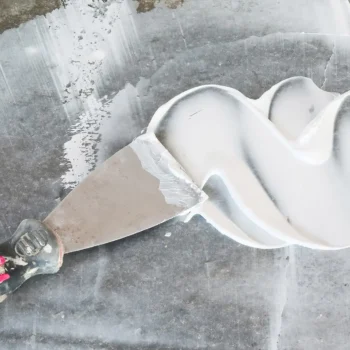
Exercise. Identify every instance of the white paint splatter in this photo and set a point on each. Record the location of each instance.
(48, 248)
(79, 151)
(84, 43)
(94, 134)
(17, 261)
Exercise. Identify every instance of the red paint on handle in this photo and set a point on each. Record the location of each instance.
(4, 277)
(2, 260)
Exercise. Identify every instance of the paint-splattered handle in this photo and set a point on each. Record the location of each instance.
(32, 250)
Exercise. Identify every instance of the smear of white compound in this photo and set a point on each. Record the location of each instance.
(282, 159)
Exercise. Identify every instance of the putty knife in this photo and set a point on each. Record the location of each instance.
(137, 188)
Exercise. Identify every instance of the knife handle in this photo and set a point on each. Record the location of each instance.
(32, 250)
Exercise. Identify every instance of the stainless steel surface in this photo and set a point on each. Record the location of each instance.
(121, 198)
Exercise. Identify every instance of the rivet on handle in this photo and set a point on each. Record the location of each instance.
(32, 250)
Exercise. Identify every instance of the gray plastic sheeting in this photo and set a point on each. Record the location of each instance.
(79, 84)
